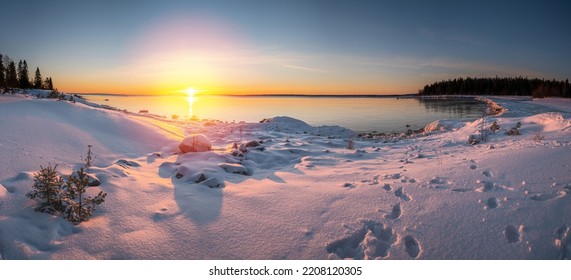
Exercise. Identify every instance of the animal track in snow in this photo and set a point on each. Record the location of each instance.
(412, 246)
(392, 176)
(395, 212)
(492, 203)
(400, 193)
(485, 186)
(487, 173)
(512, 233)
(348, 186)
(387, 187)
(438, 180)
(371, 240)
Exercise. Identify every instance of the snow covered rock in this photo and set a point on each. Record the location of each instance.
(443, 125)
(234, 168)
(291, 125)
(287, 124)
(195, 143)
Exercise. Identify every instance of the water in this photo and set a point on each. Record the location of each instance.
(358, 114)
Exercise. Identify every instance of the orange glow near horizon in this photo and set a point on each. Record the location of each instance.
(177, 50)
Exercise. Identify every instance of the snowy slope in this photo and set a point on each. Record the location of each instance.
(300, 194)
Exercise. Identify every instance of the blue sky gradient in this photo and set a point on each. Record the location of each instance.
(373, 47)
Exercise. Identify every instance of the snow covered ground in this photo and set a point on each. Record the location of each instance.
(300, 194)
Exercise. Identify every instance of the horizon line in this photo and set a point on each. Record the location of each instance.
(253, 95)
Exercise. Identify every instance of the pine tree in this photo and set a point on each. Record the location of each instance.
(11, 75)
(78, 208)
(19, 73)
(48, 84)
(2, 70)
(38, 79)
(47, 187)
(23, 74)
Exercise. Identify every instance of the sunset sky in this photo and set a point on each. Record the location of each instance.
(311, 47)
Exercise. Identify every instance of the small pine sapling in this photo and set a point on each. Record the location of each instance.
(79, 209)
(351, 144)
(88, 160)
(47, 187)
(494, 127)
(514, 130)
(537, 137)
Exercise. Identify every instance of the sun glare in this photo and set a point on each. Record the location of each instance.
(190, 92)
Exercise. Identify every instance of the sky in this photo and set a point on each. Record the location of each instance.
(305, 46)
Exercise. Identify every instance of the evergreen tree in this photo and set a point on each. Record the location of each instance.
(47, 187)
(38, 79)
(79, 208)
(48, 84)
(11, 75)
(23, 74)
(19, 73)
(499, 86)
(2, 70)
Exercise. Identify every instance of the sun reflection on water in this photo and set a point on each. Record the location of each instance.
(190, 99)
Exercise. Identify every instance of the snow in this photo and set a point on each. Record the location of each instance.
(297, 192)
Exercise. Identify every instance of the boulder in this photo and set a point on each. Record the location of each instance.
(195, 143)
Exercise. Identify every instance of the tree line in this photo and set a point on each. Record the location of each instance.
(18, 77)
(499, 86)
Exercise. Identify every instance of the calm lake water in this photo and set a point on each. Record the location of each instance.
(359, 114)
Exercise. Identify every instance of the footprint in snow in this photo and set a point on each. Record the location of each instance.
(371, 240)
(387, 187)
(348, 186)
(512, 233)
(395, 212)
(485, 186)
(492, 203)
(487, 173)
(412, 246)
(400, 193)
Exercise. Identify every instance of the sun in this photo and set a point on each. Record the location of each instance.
(190, 92)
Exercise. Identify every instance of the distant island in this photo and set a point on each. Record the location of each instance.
(537, 88)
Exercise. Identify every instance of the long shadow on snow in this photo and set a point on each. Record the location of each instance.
(199, 180)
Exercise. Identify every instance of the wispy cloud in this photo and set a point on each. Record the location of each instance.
(304, 68)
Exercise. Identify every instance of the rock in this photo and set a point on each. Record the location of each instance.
(124, 163)
(195, 143)
(252, 143)
(234, 168)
